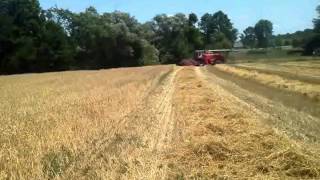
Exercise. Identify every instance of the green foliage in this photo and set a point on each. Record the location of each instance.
(249, 38)
(104, 41)
(297, 39)
(193, 19)
(28, 42)
(263, 31)
(150, 54)
(213, 26)
(313, 45)
(278, 42)
(221, 41)
(175, 36)
(316, 21)
(36, 40)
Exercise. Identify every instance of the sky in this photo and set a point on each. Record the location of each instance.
(287, 16)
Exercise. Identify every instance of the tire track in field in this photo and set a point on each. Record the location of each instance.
(166, 124)
(165, 116)
(156, 108)
(223, 137)
(108, 139)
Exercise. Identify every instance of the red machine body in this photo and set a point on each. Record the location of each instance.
(209, 57)
(206, 57)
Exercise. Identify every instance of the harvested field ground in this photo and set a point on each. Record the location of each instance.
(161, 122)
(306, 71)
(310, 89)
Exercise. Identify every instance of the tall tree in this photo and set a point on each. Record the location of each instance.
(206, 27)
(316, 21)
(313, 44)
(193, 33)
(170, 37)
(176, 36)
(249, 38)
(263, 30)
(217, 28)
(193, 19)
(20, 35)
(107, 40)
(29, 41)
(223, 24)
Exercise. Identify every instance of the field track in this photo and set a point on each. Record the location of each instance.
(190, 127)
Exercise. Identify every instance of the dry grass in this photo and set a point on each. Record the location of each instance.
(297, 68)
(47, 119)
(221, 137)
(307, 89)
(139, 123)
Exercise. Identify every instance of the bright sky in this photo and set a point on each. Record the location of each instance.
(286, 15)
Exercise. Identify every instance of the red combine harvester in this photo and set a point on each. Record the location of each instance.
(207, 57)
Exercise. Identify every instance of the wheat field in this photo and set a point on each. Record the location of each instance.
(255, 71)
(160, 122)
(49, 117)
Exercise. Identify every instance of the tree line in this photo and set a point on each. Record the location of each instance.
(258, 36)
(261, 36)
(36, 40)
(297, 39)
